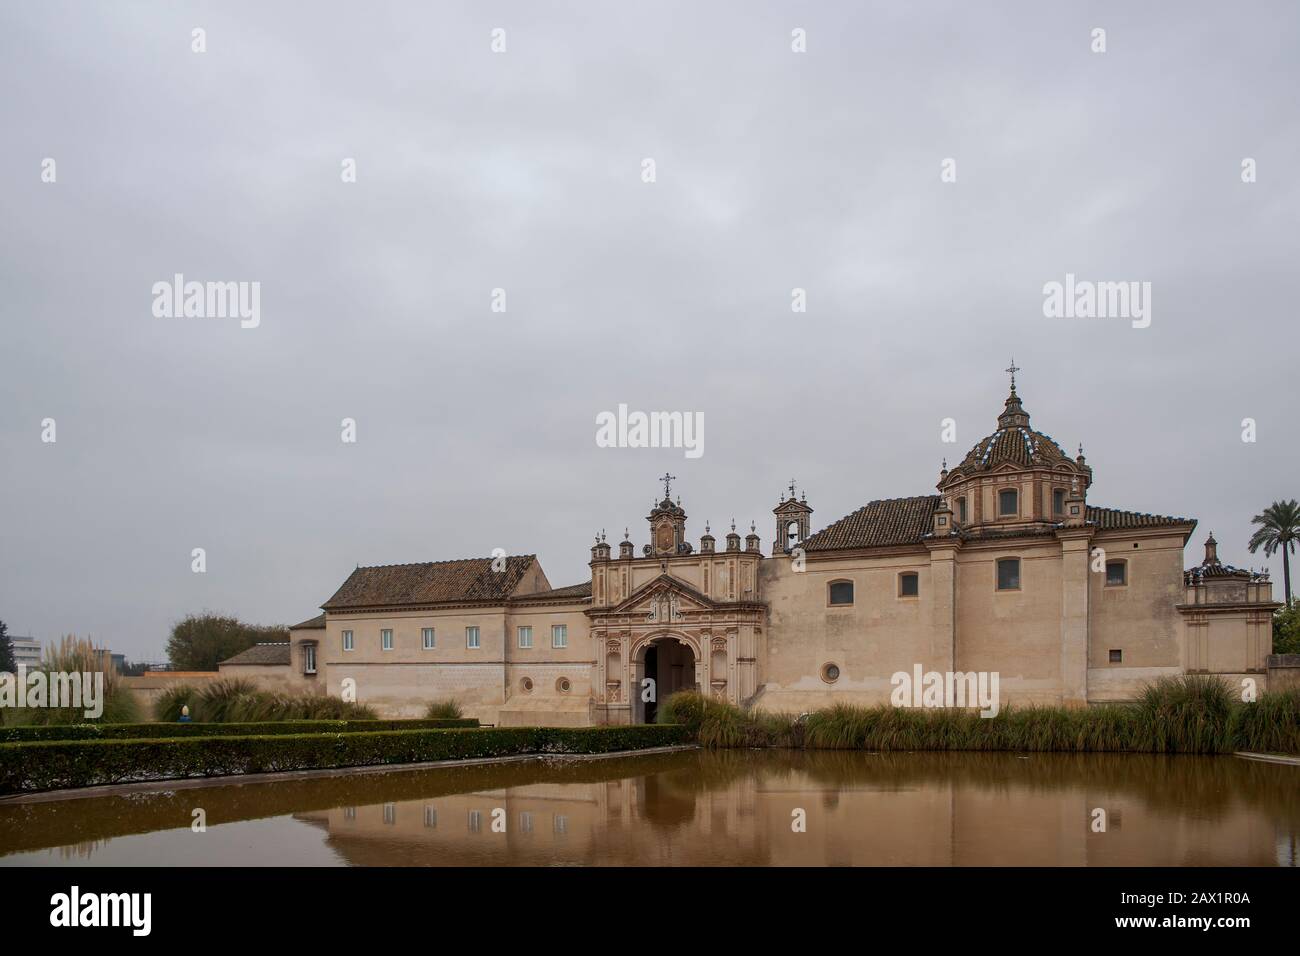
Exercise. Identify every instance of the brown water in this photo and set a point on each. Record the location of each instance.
(707, 809)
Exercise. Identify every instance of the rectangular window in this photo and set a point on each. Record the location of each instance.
(560, 824)
(559, 635)
(961, 510)
(526, 822)
(475, 821)
(1008, 574)
(1058, 501)
(525, 637)
(1007, 503)
(431, 818)
(840, 593)
(1116, 573)
(347, 641)
(427, 635)
(1116, 656)
(386, 639)
(471, 637)
(390, 813)
(309, 658)
(909, 584)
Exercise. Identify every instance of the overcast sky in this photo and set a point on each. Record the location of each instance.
(522, 170)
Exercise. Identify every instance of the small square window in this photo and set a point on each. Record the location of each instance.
(386, 639)
(1009, 574)
(426, 635)
(1116, 656)
(841, 593)
(347, 641)
(471, 637)
(909, 584)
(1116, 573)
(559, 635)
(525, 637)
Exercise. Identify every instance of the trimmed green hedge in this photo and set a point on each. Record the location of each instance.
(55, 765)
(28, 734)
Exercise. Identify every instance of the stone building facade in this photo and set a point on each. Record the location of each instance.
(1008, 567)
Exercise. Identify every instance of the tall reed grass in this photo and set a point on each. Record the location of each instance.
(444, 710)
(1191, 714)
(79, 655)
(236, 700)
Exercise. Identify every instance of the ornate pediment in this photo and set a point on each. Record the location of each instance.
(662, 601)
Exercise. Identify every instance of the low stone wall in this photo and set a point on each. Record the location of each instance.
(1283, 672)
(148, 686)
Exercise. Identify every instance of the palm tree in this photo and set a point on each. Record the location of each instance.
(1279, 529)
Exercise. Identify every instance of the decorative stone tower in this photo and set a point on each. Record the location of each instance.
(733, 539)
(792, 521)
(667, 526)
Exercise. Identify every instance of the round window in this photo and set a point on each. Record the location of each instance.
(563, 685)
(526, 684)
(830, 673)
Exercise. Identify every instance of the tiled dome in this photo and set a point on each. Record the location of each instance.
(1013, 442)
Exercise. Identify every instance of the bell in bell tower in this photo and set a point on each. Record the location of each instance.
(793, 517)
(667, 525)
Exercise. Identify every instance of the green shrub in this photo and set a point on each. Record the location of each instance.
(160, 730)
(85, 763)
(444, 710)
(716, 723)
(167, 706)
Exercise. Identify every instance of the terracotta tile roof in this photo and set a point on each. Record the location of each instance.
(574, 592)
(1217, 571)
(262, 654)
(432, 582)
(898, 521)
(877, 524)
(1018, 444)
(998, 534)
(311, 624)
(1114, 518)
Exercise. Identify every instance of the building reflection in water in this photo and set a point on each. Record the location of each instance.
(737, 809)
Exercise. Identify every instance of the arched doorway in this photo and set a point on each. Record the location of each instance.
(668, 661)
